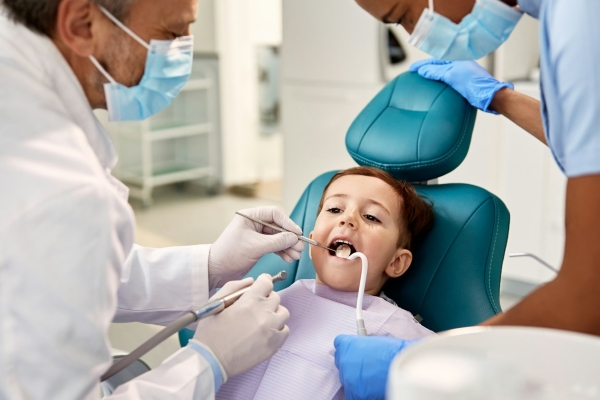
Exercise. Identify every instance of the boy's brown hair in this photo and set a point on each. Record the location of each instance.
(416, 214)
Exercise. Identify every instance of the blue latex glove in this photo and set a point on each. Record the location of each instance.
(468, 78)
(364, 361)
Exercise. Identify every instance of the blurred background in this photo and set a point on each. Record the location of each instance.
(275, 85)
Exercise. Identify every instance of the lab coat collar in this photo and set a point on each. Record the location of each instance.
(40, 56)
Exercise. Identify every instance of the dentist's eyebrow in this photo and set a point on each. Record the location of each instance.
(386, 18)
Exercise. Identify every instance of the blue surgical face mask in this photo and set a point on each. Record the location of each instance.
(478, 34)
(168, 67)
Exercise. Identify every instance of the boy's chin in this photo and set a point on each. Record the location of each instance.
(341, 283)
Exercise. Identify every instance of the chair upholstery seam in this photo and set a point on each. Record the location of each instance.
(423, 120)
(374, 120)
(489, 288)
(448, 249)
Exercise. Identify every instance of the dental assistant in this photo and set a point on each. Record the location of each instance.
(567, 120)
(68, 265)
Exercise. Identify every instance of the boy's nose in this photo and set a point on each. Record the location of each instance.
(349, 220)
(351, 224)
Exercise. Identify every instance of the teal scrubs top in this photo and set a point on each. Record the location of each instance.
(570, 80)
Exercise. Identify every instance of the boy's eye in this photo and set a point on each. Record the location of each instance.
(334, 210)
(372, 218)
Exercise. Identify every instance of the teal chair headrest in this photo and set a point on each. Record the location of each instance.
(413, 137)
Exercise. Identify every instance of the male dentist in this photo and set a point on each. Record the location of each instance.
(68, 265)
(567, 120)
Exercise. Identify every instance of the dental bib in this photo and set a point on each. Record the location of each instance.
(304, 368)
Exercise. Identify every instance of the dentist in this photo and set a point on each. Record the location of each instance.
(567, 120)
(68, 265)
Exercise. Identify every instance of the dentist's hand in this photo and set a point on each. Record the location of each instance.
(468, 78)
(249, 331)
(244, 242)
(364, 363)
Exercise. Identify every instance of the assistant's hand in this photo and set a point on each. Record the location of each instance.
(468, 78)
(364, 361)
(249, 331)
(244, 242)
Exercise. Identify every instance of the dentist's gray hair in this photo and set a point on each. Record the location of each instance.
(40, 15)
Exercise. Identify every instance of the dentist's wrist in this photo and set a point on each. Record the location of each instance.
(219, 373)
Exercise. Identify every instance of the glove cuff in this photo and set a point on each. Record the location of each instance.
(499, 85)
(218, 371)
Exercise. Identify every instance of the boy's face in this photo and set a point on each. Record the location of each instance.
(364, 211)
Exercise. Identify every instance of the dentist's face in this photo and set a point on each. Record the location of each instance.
(364, 212)
(407, 12)
(123, 57)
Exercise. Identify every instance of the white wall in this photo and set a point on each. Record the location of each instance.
(242, 25)
(239, 90)
(204, 29)
(267, 15)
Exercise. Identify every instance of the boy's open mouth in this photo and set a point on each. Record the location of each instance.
(343, 248)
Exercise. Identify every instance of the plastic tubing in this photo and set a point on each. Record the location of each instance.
(360, 322)
(208, 309)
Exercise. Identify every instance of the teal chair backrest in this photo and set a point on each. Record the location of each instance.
(418, 130)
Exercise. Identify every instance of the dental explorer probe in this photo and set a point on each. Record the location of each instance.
(277, 228)
(211, 308)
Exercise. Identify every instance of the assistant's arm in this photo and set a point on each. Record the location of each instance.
(485, 92)
(572, 300)
(521, 109)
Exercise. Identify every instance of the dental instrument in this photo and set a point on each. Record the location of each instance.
(536, 258)
(211, 308)
(360, 322)
(277, 228)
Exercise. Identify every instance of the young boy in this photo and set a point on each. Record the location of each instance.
(368, 210)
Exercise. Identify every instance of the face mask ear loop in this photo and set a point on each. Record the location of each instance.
(126, 29)
(431, 6)
(102, 70)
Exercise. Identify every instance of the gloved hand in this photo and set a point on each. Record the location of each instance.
(468, 78)
(244, 242)
(364, 362)
(249, 331)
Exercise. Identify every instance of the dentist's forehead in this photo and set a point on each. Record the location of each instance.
(173, 16)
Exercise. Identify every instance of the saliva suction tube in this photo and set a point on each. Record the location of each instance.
(360, 322)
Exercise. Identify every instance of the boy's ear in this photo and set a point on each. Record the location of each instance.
(400, 263)
(309, 246)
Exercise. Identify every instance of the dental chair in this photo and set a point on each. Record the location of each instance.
(419, 130)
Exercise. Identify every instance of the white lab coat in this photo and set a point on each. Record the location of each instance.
(68, 266)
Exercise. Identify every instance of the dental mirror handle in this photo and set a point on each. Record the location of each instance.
(280, 229)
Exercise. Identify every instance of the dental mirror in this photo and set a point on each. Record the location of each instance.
(343, 251)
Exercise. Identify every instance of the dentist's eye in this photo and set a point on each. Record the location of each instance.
(372, 218)
(334, 210)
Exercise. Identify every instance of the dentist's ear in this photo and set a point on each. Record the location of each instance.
(309, 246)
(77, 26)
(400, 263)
